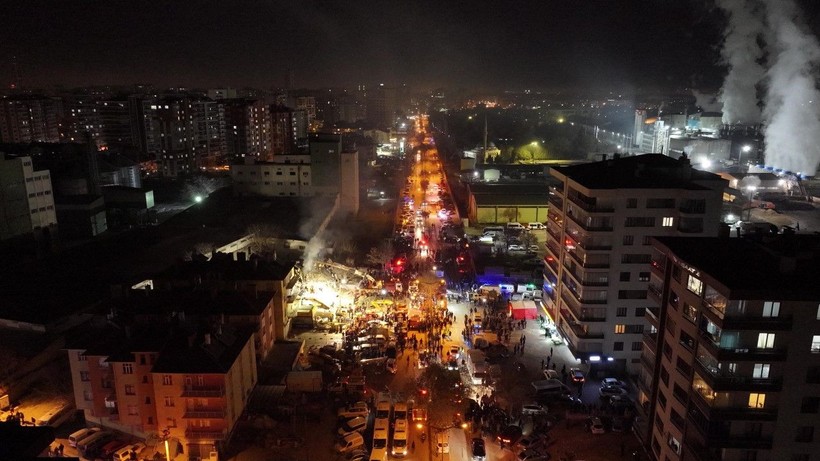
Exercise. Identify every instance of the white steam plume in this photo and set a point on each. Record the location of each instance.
(741, 53)
(792, 109)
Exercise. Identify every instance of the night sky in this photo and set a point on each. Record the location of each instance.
(506, 44)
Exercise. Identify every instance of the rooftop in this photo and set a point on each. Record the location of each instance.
(785, 266)
(224, 267)
(210, 353)
(649, 171)
(79, 277)
(194, 301)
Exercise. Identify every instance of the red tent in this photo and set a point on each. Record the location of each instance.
(523, 310)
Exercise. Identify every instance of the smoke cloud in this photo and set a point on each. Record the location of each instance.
(741, 53)
(792, 109)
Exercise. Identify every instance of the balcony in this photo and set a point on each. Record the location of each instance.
(586, 264)
(203, 391)
(593, 226)
(649, 364)
(656, 292)
(653, 316)
(581, 331)
(690, 229)
(197, 434)
(554, 233)
(712, 344)
(651, 341)
(690, 207)
(589, 204)
(659, 267)
(742, 413)
(724, 382)
(204, 414)
(556, 201)
(556, 216)
(580, 280)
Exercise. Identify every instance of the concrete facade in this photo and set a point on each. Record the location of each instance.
(601, 218)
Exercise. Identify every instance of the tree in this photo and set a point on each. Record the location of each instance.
(263, 240)
(527, 239)
(511, 214)
(380, 255)
(345, 249)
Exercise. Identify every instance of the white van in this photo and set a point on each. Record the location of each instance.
(400, 447)
(443, 442)
(124, 453)
(349, 443)
(493, 229)
(81, 434)
(536, 226)
(515, 225)
(378, 454)
(57, 415)
(96, 440)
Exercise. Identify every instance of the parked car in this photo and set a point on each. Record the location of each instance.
(479, 450)
(350, 443)
(358, 409)
(531, 441)
(577, 375)
(536, 225)
(533, 248)
(509, 435)
(533, 409)
(358, 424)
(532, 455)
(551, 374)
(516, 248)
(613, 382)
(596, 426)
(608, 391)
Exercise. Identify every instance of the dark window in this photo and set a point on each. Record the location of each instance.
(676, 272)
(810, 405)
(629, 239)
(804, 434)
(813, 375)
(632, 203)
(632, 294)
(687, 340)
(662, 401)
(664, 375)
(637, 345)
(618, 346)
(621, 312)
(636, 259)
(640, 221)
(660, 203)
(640, 311)
(683, 367)
(643, 276)
(625, 276)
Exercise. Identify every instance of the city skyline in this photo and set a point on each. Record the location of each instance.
(488, 45)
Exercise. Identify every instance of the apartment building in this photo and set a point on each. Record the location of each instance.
(731, 366)
(600, 221)
(152, 378)
(26, 200)
(247, 128)
(285, 176)
(30, 118)
(261, 291)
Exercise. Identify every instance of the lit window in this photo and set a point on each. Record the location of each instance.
(761, 370)
(167, 380)
(620, 329)
(130, 390)
(694, 285)
(771, 309)
(169, 401)
(127, 369)
(818, 312)
(766, 340)
(757, 400)
(815, 344)
(668, 221)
